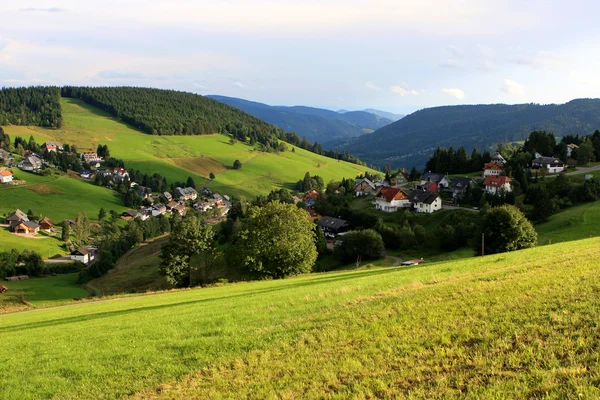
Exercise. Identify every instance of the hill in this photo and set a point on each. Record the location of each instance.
(179, 156)
(385, 114)
(411, 140)
(523, 324)
(316, 124)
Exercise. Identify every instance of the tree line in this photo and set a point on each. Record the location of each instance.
(36, 105)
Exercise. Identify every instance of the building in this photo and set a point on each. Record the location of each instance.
(168, 196)
(492, 168)
(441, 181)
(333, 226)
(6, 176)
(551, 164)
(494, 184)
(390, 199)
(17, 216)
(90, 157)
(310, 198)
(202, 206)
(499, 159)
(425, 202)
(158, 209)
(4, 155)
(30, 163)
(363, 187)
(46, 224)
(83, 254)
(570, 148)
(186, 193)
(459, 187)
(120, 174)
(26, 227)
(130, 214)
(52, 146)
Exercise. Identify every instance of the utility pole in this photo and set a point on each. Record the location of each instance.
(482, 244)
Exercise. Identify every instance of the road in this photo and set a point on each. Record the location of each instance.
(585, 170)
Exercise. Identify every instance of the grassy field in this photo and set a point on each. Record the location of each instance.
(515, 325)
(574, 223)
(42, 243)
(177, 157)
(40, 292)
(58, 197)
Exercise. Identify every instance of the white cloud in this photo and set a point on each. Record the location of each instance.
(514, 88)
(403, 90)
(372, 86)
(541, 60)
(450, 63)
(454, 92)
(455, 51)
(239, 84)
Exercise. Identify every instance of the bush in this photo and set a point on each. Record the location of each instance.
(366, 244)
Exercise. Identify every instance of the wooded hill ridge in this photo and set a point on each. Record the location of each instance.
(409, 141)
(317, 124)
(38, 106)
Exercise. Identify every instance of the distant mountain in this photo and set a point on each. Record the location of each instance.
(317, 124)
(411, 140)
(385, 114)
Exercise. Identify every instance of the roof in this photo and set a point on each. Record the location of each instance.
(461, 183)
(52, 144)
(493, 165)
(332, 223)
(3, 153)
(422, 196)
(46, 220)
(365, 180)
(313, 194)
(82, 251)
(431, 177)
(121, 171)
(17, 215)
(131, 212)
(573, 146)
(186, 191)
(496, 181)
(5, 173)
(31, 224)
(546, 160)
(390, 194)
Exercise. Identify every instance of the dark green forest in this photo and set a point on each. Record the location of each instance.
(38, 106)
(411, 140)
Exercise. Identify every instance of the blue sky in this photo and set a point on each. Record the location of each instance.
(390, 54)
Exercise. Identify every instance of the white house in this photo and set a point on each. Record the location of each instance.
(424, 201)
(390, 199)
(570, 148)
(551, 164)
(6, 176)
(83, 255)
(492, 168)
(120, 174)
(499, 159)
(186, 193)
(30, 163)
(363, 187)
(494, 184)
(441, 180)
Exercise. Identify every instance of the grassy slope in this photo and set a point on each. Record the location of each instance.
(40, 292)
(514, 325)
(574, 223)
(177, 157)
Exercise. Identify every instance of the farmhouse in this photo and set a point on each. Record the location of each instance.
(389, 199)
(168, 196)
(494, 184)
(333, 226)
(570, 148)
(120, 174)
(83, 254)
(17, 216)
(6, 176)
(52, 146)
(459, 186)
(492, 168)
(202, 206)
(186, 193)
(130, 214)
(440, 181)
(363, 187)
(424, 201)
(551, 164)
(30, 163)
(178, 208)
(158, 209)
(27, 227)
(46, 224)
(90, 157)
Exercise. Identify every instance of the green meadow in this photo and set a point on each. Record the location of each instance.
(514, 325)
(177, 157)
(574, 223)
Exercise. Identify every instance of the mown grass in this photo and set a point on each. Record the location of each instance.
(516, 325)
(40, 292)
(42, 243)
(574, 223)
(57, 197)
(177, 157)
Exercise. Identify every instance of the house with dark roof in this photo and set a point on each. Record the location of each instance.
(494, 184)
(551, 164)
(425, 202)
(498, 159)
(390, 199)
(26, 227)
(46, 224)
(30, 163)
(186, 193)
(363, 187)
(570, 148)
(130, 214)
(84, 254)
(17, 216)
(459, 186)
(333, 226)
(441, 181)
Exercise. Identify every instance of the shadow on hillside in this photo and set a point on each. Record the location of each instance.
(284, 286)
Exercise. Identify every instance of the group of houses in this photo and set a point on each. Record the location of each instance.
(18, 222)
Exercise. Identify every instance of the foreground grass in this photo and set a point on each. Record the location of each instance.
(513, 325)
(177, 157)
(40, 293)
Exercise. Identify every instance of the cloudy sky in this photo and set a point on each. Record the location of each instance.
(394, 55)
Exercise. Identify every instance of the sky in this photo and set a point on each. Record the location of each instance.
(393, 55)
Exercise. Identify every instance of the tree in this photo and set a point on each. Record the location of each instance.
(66, 231)
(190, 238)
(275, 240)
(414, 175)
(211, 176)
(366, 244)
(505, 228)
(82, 228)
(585, 153)
(190, 182)
(320, 241)
(237, 164)
(101, 214)
(33, 262)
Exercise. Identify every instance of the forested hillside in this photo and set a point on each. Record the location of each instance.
(38, 106)
(411, 140)
(316, 124)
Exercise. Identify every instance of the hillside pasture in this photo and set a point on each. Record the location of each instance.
(574, 223)
(177, 157)
(514, 325)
